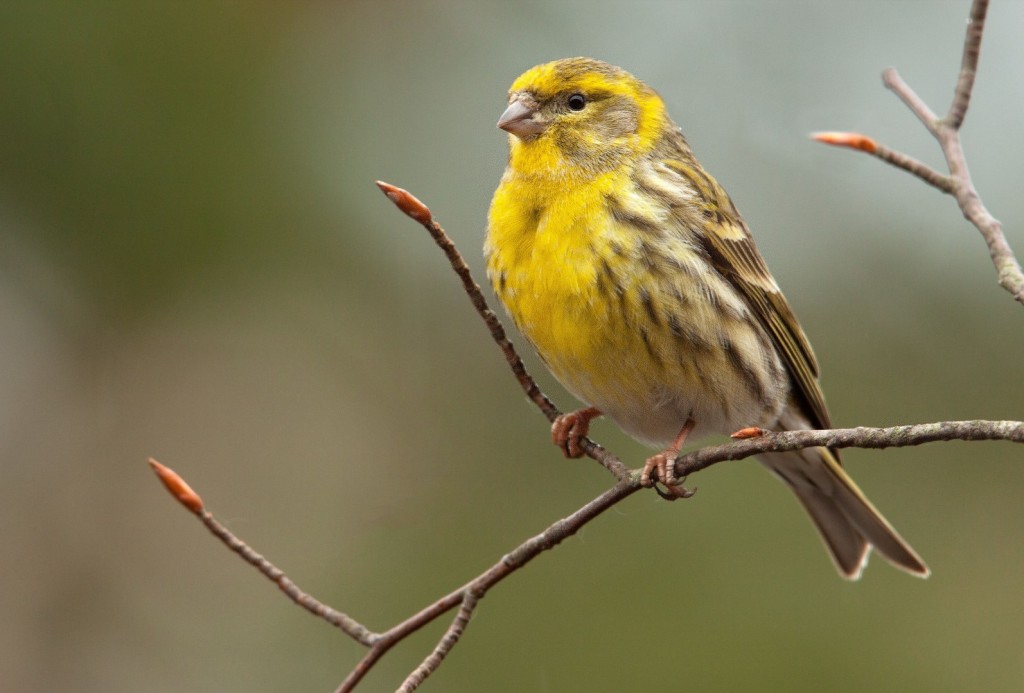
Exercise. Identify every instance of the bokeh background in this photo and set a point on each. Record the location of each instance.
(195, 265)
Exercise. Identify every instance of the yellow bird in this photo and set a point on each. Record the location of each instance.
(630, 271)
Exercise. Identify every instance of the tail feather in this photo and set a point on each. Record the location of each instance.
(847, 546)
(847, 521)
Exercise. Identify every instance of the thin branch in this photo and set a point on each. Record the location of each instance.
(509, 563)
(860, 437)
(968, 65)
(345, 623)
(363, 667)
(755, 442)
(444, 646)
(410, 205)
(863, 143)
(466, 596)
(184, 494)
(947, 132)
(915, 167)
(892, 80)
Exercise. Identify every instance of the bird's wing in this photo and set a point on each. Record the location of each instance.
(731, 248)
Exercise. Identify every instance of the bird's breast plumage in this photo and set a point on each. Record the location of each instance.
(611, 288)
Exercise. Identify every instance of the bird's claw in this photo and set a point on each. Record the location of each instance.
(569, 430)
(664, 464)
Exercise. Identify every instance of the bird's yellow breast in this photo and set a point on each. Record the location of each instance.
(545, 251)
(567, 273)
(616, 304)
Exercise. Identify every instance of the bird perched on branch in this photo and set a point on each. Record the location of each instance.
(630, 271)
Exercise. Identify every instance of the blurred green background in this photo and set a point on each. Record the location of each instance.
(195, 265)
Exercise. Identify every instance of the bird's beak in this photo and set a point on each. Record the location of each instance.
(522, 119)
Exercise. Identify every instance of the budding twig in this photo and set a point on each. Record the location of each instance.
(177, 487)
(863, 143)
(190, 499)
(418, 211)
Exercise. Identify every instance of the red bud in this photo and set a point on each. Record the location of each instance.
(748, 432)
(851, 140)
(177, 487)
(406, 202)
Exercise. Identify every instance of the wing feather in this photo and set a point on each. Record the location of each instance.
(737, 258)
(731, 248)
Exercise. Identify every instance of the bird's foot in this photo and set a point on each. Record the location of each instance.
(569, 430)
(664, 464)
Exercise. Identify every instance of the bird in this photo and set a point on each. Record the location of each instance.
(631, 273)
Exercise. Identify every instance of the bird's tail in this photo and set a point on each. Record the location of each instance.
(847, 521)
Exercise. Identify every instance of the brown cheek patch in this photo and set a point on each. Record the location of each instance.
(615, 117)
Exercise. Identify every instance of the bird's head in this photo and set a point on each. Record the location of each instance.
(581, 113)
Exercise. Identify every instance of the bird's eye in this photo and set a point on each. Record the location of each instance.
(576, 102)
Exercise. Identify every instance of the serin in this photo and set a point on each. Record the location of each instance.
(630, 271)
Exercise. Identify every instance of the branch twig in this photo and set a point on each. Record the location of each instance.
(860, 437)
(467, 596)
(416, 210)
(181, 491)
(947, 131)
(444, 646)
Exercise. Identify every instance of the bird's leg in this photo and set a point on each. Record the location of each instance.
(664, 463)
(568, 430)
